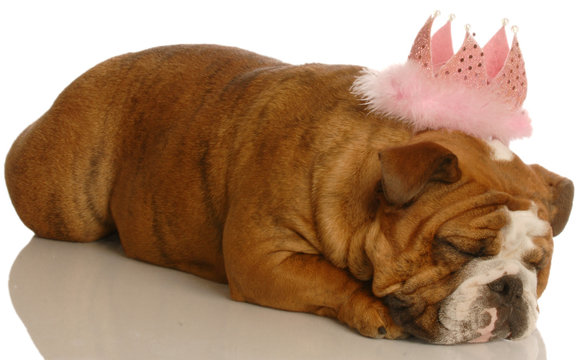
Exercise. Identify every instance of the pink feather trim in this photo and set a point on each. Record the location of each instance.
(407, 92)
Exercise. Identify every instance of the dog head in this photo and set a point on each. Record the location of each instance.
(468, 233)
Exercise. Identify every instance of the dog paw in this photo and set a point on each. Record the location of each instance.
(367, 314)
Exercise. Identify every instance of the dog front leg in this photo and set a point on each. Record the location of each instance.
(259, 272)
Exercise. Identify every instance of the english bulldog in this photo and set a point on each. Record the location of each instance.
(278, 181)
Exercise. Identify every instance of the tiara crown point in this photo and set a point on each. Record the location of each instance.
(472, 65)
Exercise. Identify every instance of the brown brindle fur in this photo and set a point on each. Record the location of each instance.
(245, 170)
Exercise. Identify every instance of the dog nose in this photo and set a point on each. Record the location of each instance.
(509, 287)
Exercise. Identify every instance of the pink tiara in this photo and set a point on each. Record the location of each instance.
(477, 90)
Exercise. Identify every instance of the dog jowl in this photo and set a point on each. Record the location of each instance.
(278, 181)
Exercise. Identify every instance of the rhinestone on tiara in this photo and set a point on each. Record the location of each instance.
(477, 90)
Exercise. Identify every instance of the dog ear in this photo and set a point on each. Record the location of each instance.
(562, 191)
(407, 169)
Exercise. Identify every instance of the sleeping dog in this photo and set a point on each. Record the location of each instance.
(277, 180)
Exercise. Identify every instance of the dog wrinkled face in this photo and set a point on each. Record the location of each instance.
(468, 233)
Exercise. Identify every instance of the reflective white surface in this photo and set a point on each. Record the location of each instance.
(90, 301)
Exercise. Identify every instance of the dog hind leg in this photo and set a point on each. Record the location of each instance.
(59, 179)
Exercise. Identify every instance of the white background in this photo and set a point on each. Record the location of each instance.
(47, 44)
